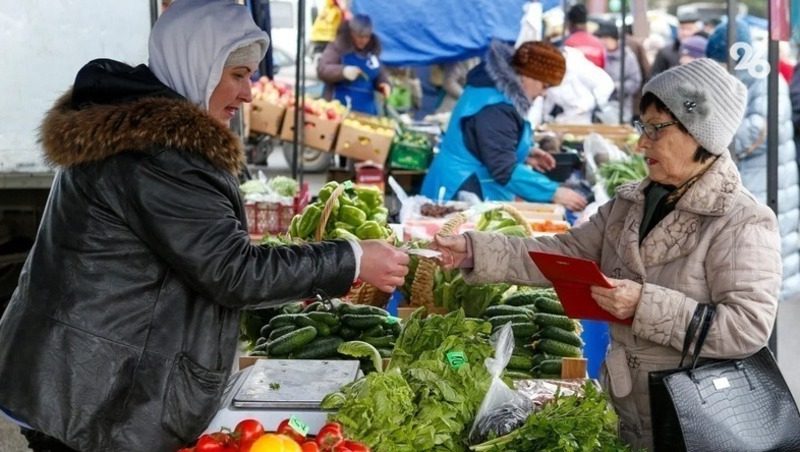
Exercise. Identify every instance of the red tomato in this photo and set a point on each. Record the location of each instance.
(355, 446)
(216, 442)
(330, 436)
(186, 449)
(285, 429)
(310, 446)
(248, 431)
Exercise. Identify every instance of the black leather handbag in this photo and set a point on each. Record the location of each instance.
(722, 405)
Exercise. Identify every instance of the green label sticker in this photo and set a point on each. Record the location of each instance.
(391, 320)
(348, 185)
(298, 425)
(456, 359)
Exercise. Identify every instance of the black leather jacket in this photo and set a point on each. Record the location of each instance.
(123, 329)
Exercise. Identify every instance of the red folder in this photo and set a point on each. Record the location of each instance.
(572, 278)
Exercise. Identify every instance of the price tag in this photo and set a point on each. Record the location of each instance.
(391, 320)
(456, 359)
(298, 425)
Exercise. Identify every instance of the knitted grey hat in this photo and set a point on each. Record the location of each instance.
(248, 54)
(705, 98)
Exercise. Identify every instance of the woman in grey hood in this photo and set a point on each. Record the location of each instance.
(123, 328)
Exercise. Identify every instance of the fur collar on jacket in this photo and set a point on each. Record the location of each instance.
(713, 194)
(72, 137)
(504, 76)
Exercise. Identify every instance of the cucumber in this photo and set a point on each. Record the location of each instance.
(366, 309)
(394, 328)
(560, 321)
(262, 347)
(375, 331)
(567, 337)
(538, 358)
(518, 375)
(292, 341)
(328, 318)
(264, 331)
(383, 341)
(524, 329)
(321, 347)
(258, 353)
(501, 320)
(261, 340)
(278, 332)
(283, 320)
(498, 310)
(313, 307)
(549, 306)
(520, 298)
(385, 352)
(362, 321)
(348, 333)
(336, 328)
(557, 348)
(549, 366)
(292, 308)
(520, 362)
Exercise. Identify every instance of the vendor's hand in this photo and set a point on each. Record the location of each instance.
(383, 265)
(351, 72)
(385, 89)
(621, 300)
(570, 199)
(541, 161)
(454, 249)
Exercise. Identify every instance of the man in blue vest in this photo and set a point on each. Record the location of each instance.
(489, 138)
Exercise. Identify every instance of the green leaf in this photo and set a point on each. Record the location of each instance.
(360, 349)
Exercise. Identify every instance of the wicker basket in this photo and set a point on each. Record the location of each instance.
(364, 293)
(422, 287)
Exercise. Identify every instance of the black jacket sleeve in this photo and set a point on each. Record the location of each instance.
(492, 136)
(189, 216)
(794, 93)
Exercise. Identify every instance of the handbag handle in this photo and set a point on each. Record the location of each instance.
(702, 317)
(710, 311)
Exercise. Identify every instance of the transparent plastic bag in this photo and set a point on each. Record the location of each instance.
(503, 409)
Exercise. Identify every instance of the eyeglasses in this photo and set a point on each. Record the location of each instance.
(651, 130)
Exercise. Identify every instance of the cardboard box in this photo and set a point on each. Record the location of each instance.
(361, 144)
(319, 133)
(266, 117)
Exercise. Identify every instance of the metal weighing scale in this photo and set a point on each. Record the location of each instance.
(272, 390)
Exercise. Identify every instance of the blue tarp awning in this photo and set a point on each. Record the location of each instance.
(420, 32)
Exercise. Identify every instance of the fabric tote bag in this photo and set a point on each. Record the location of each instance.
(722, 405)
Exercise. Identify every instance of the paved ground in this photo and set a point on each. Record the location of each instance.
(788, 333)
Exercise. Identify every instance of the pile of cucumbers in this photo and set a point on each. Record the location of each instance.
(543, 335)
(317, 330)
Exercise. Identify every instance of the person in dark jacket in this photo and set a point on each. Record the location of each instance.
(351, 68)
(122, 332)
(489, 138)
(669, 56)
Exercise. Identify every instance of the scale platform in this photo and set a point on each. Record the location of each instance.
(272, 390)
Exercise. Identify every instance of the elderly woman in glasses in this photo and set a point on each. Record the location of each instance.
(689, 233)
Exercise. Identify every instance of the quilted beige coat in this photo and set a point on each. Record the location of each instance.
(718, 246)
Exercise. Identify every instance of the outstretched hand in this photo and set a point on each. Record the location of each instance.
(453, 248)
(383, 265)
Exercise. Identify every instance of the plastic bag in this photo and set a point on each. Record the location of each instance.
(503, 409)
(598, 150)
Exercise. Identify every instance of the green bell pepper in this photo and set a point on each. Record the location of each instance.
(370, 230)
(343, 234)
(326, 190)
(371, 195)
(342, 225)
(293, 226)
(351, 215)
(309, 221)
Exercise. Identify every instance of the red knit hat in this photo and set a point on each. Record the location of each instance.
(541, 61)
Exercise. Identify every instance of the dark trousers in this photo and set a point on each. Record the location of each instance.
(39, 442)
